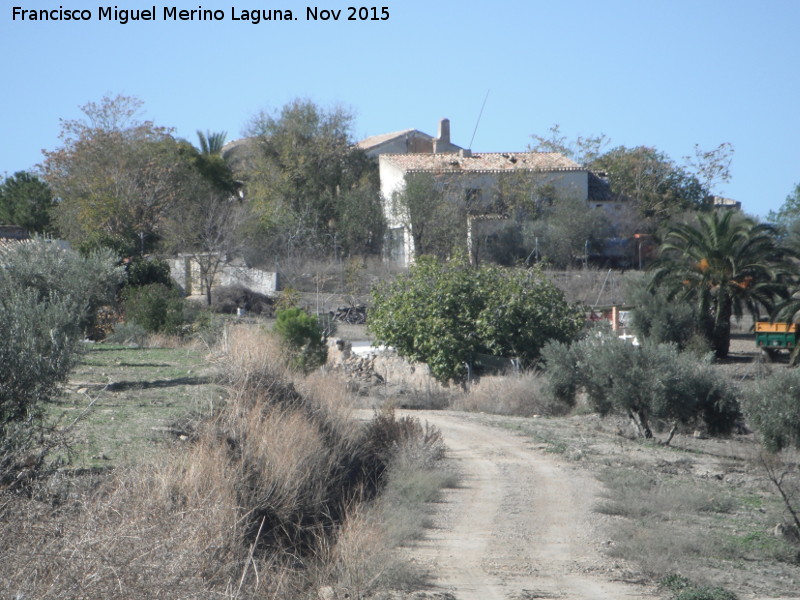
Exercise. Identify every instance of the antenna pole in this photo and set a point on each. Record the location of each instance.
(480, 114)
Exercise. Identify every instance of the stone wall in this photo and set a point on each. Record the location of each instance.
(185, 272)
(380, 367)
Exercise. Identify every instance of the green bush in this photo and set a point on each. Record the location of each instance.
(772, 406)
(662, 320)
(127, 333)
(443, 314)
(302, 338)
(38, 347)
(86, 282)
(47, 297)
(652, 381)
(142, 271)
(156, 307)
(685, 589)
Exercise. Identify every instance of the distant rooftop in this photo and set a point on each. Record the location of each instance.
(377, 140)
(491, 162)
(721, 202)
(13, 232)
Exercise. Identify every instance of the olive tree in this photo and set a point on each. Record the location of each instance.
(772, 407)
(652, 381)
(47, 296)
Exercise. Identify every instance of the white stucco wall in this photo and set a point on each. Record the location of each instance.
(264, 282)
(186, 273)
(572, 184)
(392, 182)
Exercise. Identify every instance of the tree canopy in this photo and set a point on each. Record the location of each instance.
(304, 176)
(437, 225)
(651, 180)
(725, 263)
(26, 200)
(788, 214)
(115, 176)
(444, 313)
(656, 184)
(206, 220)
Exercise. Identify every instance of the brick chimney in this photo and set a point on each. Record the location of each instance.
(442, 142)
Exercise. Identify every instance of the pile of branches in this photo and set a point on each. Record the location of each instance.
(354, 315)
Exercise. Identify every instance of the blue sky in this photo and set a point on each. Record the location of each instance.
(665, 74)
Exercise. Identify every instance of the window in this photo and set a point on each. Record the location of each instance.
(472, 196)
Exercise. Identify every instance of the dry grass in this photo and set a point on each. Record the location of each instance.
(519, 394)
(364, 558)
(674, 523)
(275, 497)
(637, 495)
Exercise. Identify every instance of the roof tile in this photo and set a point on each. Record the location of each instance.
(483, 162)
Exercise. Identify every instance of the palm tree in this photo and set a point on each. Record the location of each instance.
(724, 262)
(211, 143)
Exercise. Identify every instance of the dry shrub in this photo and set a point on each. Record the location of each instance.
(388, 437)
(163, 340)
(128, 539)
(251, 357)
(362, 554)
(227, 299)
(363, 559)
(330, 392)
(431, 396)
(518, 394)
(252, 507)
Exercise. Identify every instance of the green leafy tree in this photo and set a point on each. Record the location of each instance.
(206, 220)
(659, 319)
(115, 176)
(360, 224)
(438, 226)
(444, 313)
(88, 281)
(789, 212)
(652, 381)
(39, 347)
(724, 263)
(47, 296)
(568, 231)
(651, 180)
(772, 408)
(302, 169)
(26, 200)
(302, 337)
(658, 186)
(143, 271)
(156, 307)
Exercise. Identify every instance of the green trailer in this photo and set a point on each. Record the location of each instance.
(773, 337)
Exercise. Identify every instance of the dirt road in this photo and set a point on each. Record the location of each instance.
(519, 526)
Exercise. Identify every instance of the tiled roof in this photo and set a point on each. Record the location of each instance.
(483, 162)
(13, 232)
(8, 244)
(377, 140)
